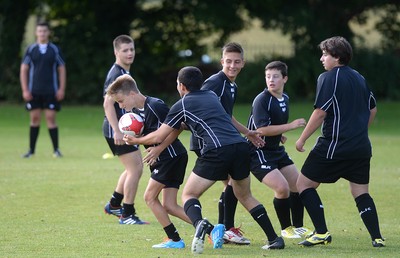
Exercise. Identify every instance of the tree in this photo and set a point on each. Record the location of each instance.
(168, 28)
(163, 29)
(85, 31)
(13, 17)
(309, 22)
(389, 27)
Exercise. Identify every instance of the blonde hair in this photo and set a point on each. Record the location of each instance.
(123, 84)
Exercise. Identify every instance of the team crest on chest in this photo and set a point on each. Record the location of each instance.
(233, 90)
(283, 106)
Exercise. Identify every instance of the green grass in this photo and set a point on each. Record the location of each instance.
(53, 207)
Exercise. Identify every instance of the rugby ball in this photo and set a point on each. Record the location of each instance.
(131, 124)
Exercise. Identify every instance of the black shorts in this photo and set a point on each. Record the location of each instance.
(197, 152)
(217, 164)
(170, 172)
(322, 170)
(47, 101)
(261, 170)
(118, 150)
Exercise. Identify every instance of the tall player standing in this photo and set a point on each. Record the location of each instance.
(43, 82)
(271, 164)
(345, 107)
(223, 84)
(129, 155)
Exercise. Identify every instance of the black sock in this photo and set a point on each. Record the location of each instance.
(192, 208)
(129, 210)
(260, 215)
(297, 210)
(369, 215)
(116, 199)
(315, 209)
(282, 208)
(33, 136)
(172, 233)
(54, 137)
(221, 208)
(230, 207)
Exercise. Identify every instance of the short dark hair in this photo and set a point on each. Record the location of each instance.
(43, 24)
(123, 84)
(278, 65)
(191, 77)
(338, 47)
(122, 39)
(233, 47)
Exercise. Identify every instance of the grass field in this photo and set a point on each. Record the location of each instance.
(54, 207)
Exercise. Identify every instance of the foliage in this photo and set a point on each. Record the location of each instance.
(389, 26)
(309, 22)
(172, 33)
(303, 75)
(85, 31)
(386, 64)
(13, 17)
(169, 35)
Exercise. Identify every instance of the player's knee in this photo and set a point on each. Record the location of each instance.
(35, 121)
(243, 196)
(169, 207)
(282, 191)
(149, 199)
(135, 173)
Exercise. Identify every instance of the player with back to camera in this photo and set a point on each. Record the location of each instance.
(345, 107)
(130, 156)
(167, 161)
(43, 81)
(223, 84)
(224, 152)
(271, 164)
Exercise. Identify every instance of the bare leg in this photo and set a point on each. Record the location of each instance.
(134, 168)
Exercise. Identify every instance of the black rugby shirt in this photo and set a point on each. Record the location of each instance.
(202, 112)
(154, 113)
(268, 110)
(226, 91)
(43, 75)
(345, 97)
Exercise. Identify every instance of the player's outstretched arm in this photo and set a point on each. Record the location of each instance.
(155, 137)
(272, 130)
(316, 120)
(154, 152)
(253, 136)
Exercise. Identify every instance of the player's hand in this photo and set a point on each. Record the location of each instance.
(60, 95)
(118, 138)
(152, 155)
(283, 139)
(130, 140)
(255, 138)
(301, 122)
(300, 145)
(27, 96)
